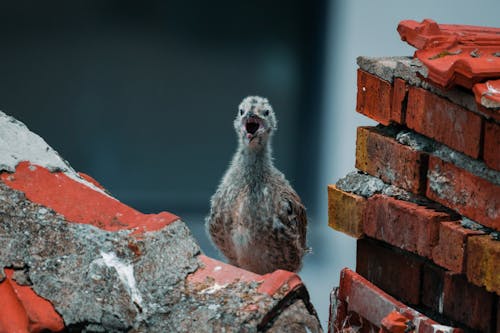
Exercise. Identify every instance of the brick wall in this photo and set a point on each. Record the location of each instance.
(424, 203)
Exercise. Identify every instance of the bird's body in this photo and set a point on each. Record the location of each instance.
(257, 220)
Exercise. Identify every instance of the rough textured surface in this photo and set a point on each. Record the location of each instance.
(357, 296)
(119, 289)
(366, 186)
(444, 121)
(374, 97)
(68, 246)
(346, 211)
(450, 251)
(292, 319)
(411, 70)
(375, 154)
(464, 192)
(421, 143)
(483, 262)
(454, 54)
(411, 227)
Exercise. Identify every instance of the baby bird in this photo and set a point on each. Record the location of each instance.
(256, 219)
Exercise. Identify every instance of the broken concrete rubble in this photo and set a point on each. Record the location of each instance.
(109, 268)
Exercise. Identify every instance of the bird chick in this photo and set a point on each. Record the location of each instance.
(256, 219)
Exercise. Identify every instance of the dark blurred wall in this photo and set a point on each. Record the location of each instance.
(141, 94)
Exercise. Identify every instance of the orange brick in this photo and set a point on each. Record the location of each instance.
(451, 248)
(400, 94)
(345, 211)
(464, 192)
(407, 225)
(491, 145)
(444, 121)
(374, 97)
(383, 157)
(483, 262)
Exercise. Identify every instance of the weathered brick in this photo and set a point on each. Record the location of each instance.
(367, 301)
(345, 211)
(483, 262)
(467, 303)
(444, 121)
(398, 108)
(491, 145)
(393, 271)
(432, 287)
(407, 225)
(383, 157)
(374, 97)
(464, 192)
(451, 248)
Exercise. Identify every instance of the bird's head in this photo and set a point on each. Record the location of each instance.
(255, 121)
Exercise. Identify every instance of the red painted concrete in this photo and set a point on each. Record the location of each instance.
(79, 203)
(24, 311)
(454, 54)
(222, 273)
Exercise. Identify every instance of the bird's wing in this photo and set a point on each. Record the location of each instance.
(293, 214)
(215, 225)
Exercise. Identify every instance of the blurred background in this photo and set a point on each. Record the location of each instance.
(141, 95)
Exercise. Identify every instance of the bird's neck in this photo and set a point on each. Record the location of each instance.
(254, 159)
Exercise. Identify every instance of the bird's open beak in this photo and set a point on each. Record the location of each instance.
(252, 126)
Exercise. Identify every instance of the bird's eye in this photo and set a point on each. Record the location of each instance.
(266, 113)
(241, 112)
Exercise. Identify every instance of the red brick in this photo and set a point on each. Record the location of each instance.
(374, 305)
(450, 251)
(345, 211)
(374, 97)
(395, 272)
(398, 108)
(444, 121)
(483, 262)
(464, 192)
(491, 146)
(467, 303)
(407, 225)
(383, 157)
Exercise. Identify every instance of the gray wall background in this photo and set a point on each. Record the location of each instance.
(141, 95)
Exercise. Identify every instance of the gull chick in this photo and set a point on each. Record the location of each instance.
(256, 218)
